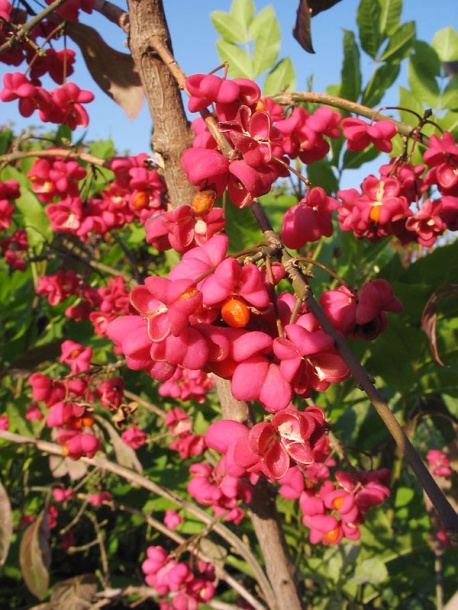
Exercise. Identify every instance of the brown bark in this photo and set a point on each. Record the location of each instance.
(171, 130)
(264, 516)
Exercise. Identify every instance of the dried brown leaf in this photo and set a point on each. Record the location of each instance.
(75, 593)
(60, 466)
(35, 556)
(6, 524)
(125, 455)
(113, 71)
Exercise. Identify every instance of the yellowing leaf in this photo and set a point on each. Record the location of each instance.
(113, 71)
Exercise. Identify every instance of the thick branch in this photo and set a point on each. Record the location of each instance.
(171, 130)
(264, 516)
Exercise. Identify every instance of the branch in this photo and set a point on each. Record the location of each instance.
(137, 479)
(194, 550)
(338, 102)
(113, 13)
(444, 509)
(171, 131)
(25, 29)
(53, 152)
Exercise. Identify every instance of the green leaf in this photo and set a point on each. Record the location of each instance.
(104, 149)
(351, 72)
(450, 122)
(241, 228)
(353, 160)
(36, 222)
(408, 100)
(406, 346)
(449, 97)
(243, 11)
(400, 42)
(370, 571)
(5, 140)
(281, 78)
(445, 43)
(228, 27)
(35, 556)
(320, 174)
(390, 16)
(6, 524)
(265, 31)
(426, 59)
(423, 68)
(368, 19)
(240, 62)
(382, 80)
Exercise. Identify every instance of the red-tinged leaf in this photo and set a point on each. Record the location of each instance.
(75, 593)
(429, 316)
(35, 556)
(306, 10)
(113, 71)
(6, 524)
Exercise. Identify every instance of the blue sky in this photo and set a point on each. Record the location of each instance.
(194, 46)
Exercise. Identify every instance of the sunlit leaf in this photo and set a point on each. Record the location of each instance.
(265, 31)
(351, 71)
(400, 42)
(384, 77)
(424, 89)
(36, 221)
(35, 555)
(281, 78)
(449, 97)
(449, 121)
(429, 316)
(370, 571)
(6, 524)
(228, 27)
(445, 43)
(113, 71)
(390, 15)
(368, 19)
(243, 11)
(240, 62)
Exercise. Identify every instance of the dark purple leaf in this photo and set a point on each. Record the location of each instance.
(306, 10)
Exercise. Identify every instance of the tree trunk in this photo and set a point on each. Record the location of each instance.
(171, 130)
